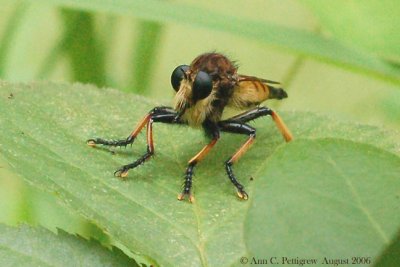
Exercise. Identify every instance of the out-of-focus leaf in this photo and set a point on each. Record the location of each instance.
(6, 39)
(82, 47)
(370, 25)
(147, 44)
(301, 42)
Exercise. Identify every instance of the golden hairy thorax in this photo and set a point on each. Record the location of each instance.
(229, 89)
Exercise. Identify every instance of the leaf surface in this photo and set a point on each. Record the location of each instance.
(325, 198)
(44, 128)
(26, 246)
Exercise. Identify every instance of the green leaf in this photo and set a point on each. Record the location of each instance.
(144, 55)
(43, 139)
(87, 61)
(299, 42)
(6, 40)
(26, 246)
(325, 198)
(371, 25)
(391, 255)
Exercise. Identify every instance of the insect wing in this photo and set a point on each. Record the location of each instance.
(249, 91)
(242, 78)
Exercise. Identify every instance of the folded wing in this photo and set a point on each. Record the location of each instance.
(250, 91)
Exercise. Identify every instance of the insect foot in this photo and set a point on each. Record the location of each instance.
(242, 195)
(182, 196)
(91, 142)
(121, 172)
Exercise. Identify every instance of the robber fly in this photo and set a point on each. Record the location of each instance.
(203, 90)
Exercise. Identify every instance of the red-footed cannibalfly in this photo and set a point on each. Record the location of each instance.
(203, 90)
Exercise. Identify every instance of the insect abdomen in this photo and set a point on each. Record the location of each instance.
(249, 93)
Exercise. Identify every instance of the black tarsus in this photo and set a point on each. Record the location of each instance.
(239, 128)
(158, 114)
(237, 124)
(187, 184)
(136, 163)
(235, 182)
(122, 142)
(211, 130)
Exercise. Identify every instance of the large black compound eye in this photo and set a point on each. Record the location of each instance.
(177, 76)
(202, 86)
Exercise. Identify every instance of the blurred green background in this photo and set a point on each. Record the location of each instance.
(339, 58)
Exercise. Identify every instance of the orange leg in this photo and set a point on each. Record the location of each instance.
(199, 156)
(240, 128)
(187, 185)
(259, 112)
(242, 149)
(123, 171)
(122, 142)
(282, 126)
(158, 114)
(237, 124)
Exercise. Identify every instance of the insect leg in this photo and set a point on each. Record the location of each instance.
(123, 171)
(259, 112)
(163, 115)
(240, 128)
(187, 184)
(129, 140)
